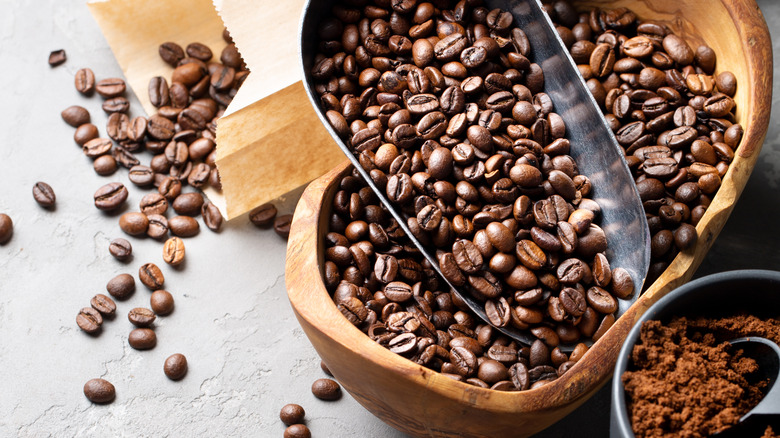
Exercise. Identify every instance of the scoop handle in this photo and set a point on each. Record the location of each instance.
(767, 411)
(767, 354)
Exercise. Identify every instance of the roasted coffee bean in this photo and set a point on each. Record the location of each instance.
(97, 147)
(282, 225)
(89, 320)
(134, 223)
(116, 128)
(199, 51)
(141, 175)
(110, 87)
(326, 389)
(170, 188)
(188, 203)
(44, 195)
(75, 115)
(153, 203)
(263, 216)
(104, 165)
(160, 128)
(6, 228)
(175, 367)
(110, 196)
(212, 217)
(183, 226)
(85, 133)
(161, 302)
(292, 414)
(142, 339)
(124, 157)
(158, 92)
(99, 391)
(297, 431)
(171, 53)
(141, 317)
(151, 276)
(103, 304)
(85, 81)
(173, 251)
(121, 249)
(121, 286)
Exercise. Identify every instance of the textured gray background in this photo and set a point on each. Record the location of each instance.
(247, 355)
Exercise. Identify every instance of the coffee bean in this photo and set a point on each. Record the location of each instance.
(212, 217)
(121, 286)
(158, 226)
(175, 366)
(160, 128)
(170, 188)
(103, 304)
(171, 53)
(183, 226)
(142, 339)
(75, 115)
(173, 251)
(199, 51)
(282, 225)
(124, 157)
(57, 57)
(151, 276)
(153, 203)
(99, 391)
(188, 74)
(85, 81)
(188, 204)
(97, 147)
(89, 320)
(161, 302)
(141, 317)
(116, 105)
(110, 87)
(110, 196)
(141, 175)
(121, 249)
(85, 133)
(134, 223)
(292, 414)
(104, 165)
(297, 431)
(44, 195)
(326, 389)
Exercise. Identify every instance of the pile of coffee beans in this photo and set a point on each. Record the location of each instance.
(382, 284)
(181, 137)
(450, 118)
(669, 110)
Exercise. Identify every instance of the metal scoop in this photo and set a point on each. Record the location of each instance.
(594, 148)
(767, 412)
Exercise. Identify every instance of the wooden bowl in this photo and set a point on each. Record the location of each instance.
(422, 402)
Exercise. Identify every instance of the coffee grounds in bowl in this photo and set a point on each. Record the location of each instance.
(685, 379)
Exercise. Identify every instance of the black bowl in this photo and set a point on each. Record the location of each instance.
(752, 291)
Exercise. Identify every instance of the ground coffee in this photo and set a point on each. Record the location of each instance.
(685, 379)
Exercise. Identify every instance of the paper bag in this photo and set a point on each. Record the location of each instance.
(269, 141)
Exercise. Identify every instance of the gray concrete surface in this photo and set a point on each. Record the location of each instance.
(247, 355)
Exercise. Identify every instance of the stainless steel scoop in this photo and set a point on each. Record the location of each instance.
(594, 148)
(767, 411)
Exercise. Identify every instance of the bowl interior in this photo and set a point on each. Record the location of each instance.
(756, 292)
